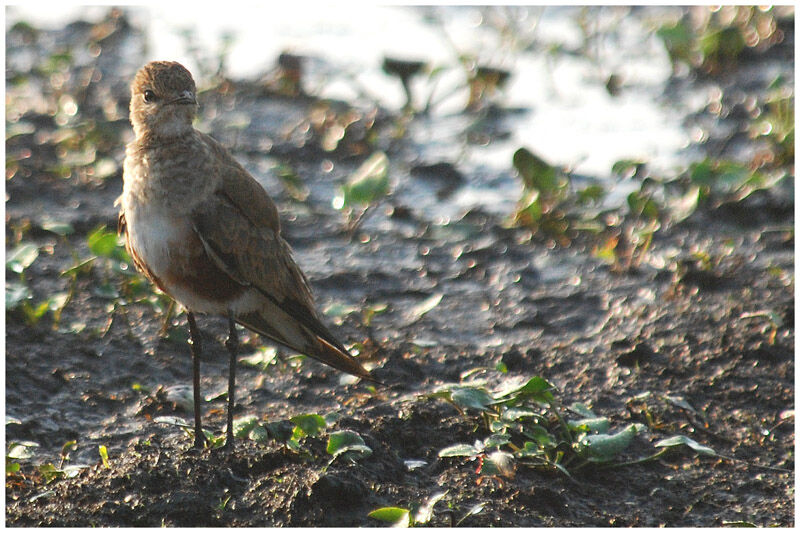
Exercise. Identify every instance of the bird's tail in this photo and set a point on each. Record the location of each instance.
(319, 343)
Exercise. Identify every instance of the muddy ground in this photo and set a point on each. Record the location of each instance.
(720, 338)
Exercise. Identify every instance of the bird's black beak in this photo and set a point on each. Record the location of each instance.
(185, 98)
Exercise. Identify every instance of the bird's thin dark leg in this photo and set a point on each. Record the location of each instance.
(194, 342)
(232, 344)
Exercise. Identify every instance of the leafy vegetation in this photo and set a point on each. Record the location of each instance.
(345, 443)
(519, 426)
(527, 426)
(711, 40)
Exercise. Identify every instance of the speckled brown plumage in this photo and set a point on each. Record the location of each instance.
(204, 231)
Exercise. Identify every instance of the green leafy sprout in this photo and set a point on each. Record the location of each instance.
(528, 427)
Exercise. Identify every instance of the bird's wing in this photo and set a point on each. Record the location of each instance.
(239, 228)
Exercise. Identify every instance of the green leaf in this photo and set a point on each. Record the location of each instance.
(471, 397)
(21, 450)
(57, 301)
(368, 184)
(292, 182)
(244, 425)
(33, 314)
(530, 449)
(537, 389)
(311, 425)
(419, 310)
(104, 456)
(50, 472)
(627, 168)
(71, 471)
(339, 310)
(16, 293)
(681, 208)
(59, 228)
(531, 211)
(498, 463)
(425, 512)
(515, 413)
(261, 358)
(102, 243)
(679, 401)
(540, 435)
(591, 194)
(369, 312)
(641, 204)
(582, 410)
(495, 440)
(678, 40)
(21, 257)
(462, 450)
(727, 42)
(603, 448)
(78, 267)
(69, 446)
(535, 172)
(346, 440)
(680, 440)
(397, 516)
(599, 424)
(475, 509)
(259, 434)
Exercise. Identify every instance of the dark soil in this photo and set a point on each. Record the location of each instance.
(669, 327)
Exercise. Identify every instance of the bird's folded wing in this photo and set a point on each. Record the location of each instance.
(248, 249)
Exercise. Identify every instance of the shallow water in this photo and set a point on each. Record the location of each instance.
(558, 78)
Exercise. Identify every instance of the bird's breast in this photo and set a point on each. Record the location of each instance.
(173, 256)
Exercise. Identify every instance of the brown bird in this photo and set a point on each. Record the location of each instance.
(205, 232)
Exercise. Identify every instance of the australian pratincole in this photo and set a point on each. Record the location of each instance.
(203, 230)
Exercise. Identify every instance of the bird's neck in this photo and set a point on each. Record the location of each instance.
(147, 138)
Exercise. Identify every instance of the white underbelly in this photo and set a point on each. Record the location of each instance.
(157, 239)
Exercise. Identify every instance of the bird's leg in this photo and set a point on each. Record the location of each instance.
(194, 342)
(232, 345)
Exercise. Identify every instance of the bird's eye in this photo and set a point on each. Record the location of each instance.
(149, 96)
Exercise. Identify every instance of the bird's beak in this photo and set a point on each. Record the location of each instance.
(186, 97)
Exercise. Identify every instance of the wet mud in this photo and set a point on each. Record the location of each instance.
(511, 305)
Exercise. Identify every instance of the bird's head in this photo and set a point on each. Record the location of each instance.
(163, 100)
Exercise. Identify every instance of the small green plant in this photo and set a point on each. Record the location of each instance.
(103, 451)
(344, 443)
(51, 473)
(19, 296)
(720, 180)
(420, 514)
(527, 426)
(714, 40)
(347, 443)
(120, 283)
(416, 515)
(367, 186)
(776, 124)
(550, 203)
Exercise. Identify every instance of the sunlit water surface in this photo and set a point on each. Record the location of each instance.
(569, 117)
